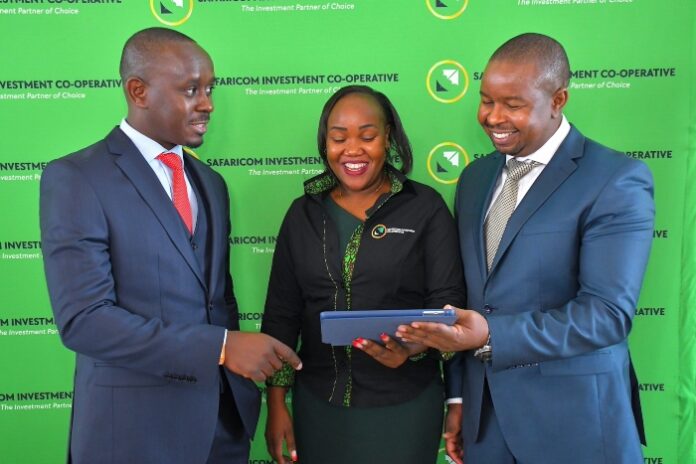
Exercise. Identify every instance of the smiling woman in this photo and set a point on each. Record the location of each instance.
(343, 246)
(358, 129)
(356, 147)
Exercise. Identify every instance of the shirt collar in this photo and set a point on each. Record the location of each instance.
(147, 147)
(544, 154)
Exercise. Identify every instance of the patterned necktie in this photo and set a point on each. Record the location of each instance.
(503, 207)
(179, 191)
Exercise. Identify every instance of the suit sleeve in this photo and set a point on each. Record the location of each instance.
(78, 266)
(230, 298)
(613, 252)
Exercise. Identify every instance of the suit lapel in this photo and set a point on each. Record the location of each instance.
(218, 240)
(488, 178)
(554, 174)
(139, 173)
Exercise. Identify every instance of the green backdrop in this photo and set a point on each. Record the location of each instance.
(278, 60)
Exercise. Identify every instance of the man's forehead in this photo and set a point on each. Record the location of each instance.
(515, 70)
(175, 53)
(518, 65)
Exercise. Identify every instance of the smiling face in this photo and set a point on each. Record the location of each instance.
(519, 110)
(357, 142)
(172, 102)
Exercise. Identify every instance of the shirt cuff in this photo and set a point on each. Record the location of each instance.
(222, 352)
(454, 401)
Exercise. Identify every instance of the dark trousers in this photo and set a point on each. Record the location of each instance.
(231, 443)
(490, 448)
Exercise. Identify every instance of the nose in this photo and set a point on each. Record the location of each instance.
(205, 103)
(495, 115)
(353, 146)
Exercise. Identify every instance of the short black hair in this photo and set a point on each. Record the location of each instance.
(399, 145)
(142, 46)
(547, 53)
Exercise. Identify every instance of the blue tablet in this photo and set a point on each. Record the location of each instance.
(340, 328)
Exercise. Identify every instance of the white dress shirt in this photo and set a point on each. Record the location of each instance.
(150, 150)
(542, 156)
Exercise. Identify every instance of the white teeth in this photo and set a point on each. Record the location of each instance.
(355, 166)
(499, 135)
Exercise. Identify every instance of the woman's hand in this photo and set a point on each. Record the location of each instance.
(392, 354)
(279, 428)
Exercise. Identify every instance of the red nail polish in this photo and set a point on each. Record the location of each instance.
(383, 336)
(356, 343)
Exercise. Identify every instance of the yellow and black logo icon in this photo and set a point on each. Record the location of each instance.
(172, 12)
(447, 81)
(447, 9)
(446, 162)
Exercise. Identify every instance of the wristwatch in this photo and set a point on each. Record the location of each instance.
(485, 353)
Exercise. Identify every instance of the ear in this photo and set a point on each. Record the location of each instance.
(136, 92)
(558, 101)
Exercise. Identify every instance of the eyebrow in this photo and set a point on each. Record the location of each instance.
(364, 126)
(513, 97)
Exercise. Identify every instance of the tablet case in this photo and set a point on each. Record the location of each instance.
(340, 328)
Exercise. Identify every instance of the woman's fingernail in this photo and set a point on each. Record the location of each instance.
(293, 455)
(384, 336)
(356, 343)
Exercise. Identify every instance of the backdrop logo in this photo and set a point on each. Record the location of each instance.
(446, 162)
(447, 81)
(172, 12)
(447, 9)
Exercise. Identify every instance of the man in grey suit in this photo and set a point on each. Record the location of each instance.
(555, 232)
(136, 253)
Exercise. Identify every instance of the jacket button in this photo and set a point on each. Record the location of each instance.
(194, 245)
(487, 309)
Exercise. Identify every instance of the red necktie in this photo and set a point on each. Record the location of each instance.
(179, 192)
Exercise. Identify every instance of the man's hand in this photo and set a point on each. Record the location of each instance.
(453, 435)
(257, 356)
(392, 354)
(470, 331)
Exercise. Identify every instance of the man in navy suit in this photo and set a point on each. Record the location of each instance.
(555, 232)
(136, 252)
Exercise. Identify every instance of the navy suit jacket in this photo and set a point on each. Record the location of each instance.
(132, 301)
(559, 300)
